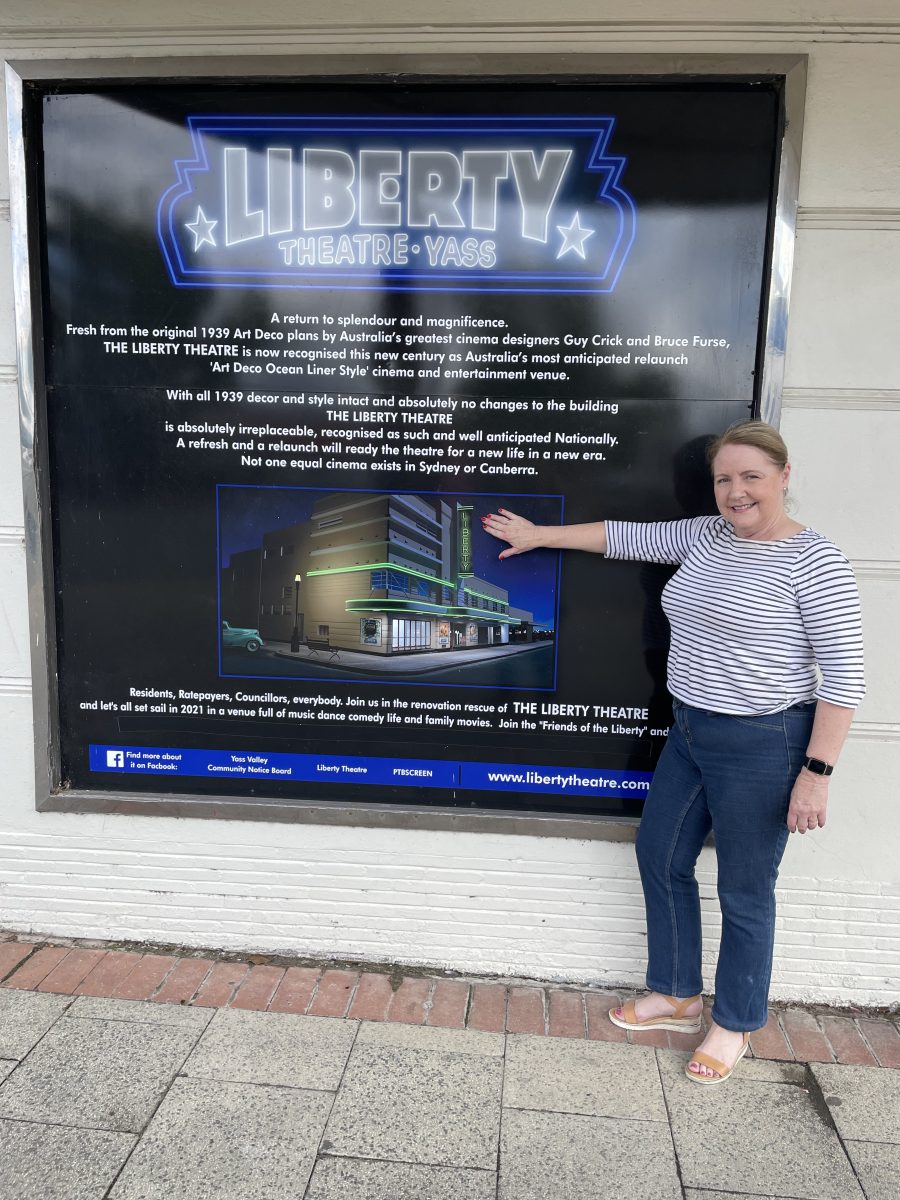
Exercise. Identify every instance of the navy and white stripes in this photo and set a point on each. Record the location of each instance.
(756, 626)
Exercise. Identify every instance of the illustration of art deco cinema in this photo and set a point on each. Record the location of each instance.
(379, 573)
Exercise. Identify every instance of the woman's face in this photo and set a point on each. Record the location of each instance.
(749, 489)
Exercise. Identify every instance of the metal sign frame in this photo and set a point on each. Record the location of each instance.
(621, 69)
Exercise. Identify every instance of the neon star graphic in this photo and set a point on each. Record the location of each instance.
(574, 236)
(202, 229)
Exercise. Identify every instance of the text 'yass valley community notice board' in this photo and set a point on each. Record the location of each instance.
(298, 340)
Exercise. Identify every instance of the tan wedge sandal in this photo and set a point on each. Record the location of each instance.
(675, 1020)
(707, 1060)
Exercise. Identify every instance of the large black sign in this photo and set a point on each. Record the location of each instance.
(299, 340)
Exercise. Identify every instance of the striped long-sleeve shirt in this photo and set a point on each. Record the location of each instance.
(756, 626)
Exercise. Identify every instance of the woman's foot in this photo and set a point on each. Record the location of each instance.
(724, 1047)
(657, 1011)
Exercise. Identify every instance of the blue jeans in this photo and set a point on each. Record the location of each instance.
(732, 775)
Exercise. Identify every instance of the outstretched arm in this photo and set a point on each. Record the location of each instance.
(522, 535)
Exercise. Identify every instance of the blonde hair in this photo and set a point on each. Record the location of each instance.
(751, 433)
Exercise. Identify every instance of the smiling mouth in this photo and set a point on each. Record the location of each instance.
(742, 507)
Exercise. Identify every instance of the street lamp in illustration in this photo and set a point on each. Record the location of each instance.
(295, 636)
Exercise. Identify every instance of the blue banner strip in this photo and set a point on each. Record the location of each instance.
(563, 781)
(392, 772)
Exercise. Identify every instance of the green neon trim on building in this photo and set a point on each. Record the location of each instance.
(479, 614)
(376, 604)
(382, 566)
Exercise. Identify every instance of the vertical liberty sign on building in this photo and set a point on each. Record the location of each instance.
(297, 343)
(464, 535)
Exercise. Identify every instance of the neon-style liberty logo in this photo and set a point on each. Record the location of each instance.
(498, 204)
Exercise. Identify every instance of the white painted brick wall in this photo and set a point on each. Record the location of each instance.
(558, 909)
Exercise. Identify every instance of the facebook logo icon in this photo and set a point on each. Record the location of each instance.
(115, 758)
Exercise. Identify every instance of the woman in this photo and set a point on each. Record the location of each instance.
(765, 669)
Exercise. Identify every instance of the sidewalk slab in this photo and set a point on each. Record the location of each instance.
(227, 1141)
(425, 1037)
(763, 1070)
(418, 1106)
(695, 1194)
(273, 1048)
(864, 1102)
(48, 1162)
(141, 1012)
(599, 1079)
(574, 1157)
(24, 1019)
(752, 1136)
(96, 1074)
(361, 1179)
(878, 1168)
(235, 1103)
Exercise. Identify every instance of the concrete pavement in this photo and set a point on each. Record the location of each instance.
(137, 1100)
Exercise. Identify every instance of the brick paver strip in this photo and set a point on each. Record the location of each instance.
(295, 990)
(525, 1011)
(566, 1017)
(649, 1037)
(884, 1041)
(487, 1010)
(334, 993)
(258, 988)
(108, 974)
(11, 954)
(600, 1027)
(791, 1034)
(182, 982)
(67, 975)
(448, 1004)
(685, 1041)
(846, 1042)
(218, 987)
(373, 997)
(146, 977)
(770, 1042)
(807, 1040)
(37, 968)
(408, 1005)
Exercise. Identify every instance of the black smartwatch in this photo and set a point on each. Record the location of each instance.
(818, 767)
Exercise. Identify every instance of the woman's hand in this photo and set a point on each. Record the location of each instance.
(521, 534)
(809, 800)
